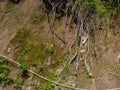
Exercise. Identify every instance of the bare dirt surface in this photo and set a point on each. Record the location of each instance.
(108, 56)
(5, 38)
(108, 48)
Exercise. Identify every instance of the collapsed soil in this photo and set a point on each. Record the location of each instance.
(11, 21)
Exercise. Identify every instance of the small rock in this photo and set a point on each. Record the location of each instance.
(73, 85)
(8, 50)
(58, 71)
(118, 59)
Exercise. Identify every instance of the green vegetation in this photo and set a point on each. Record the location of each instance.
(4, 68)
(93, 7)
(39, 53)
(47, 85)
(102, 6)
(20, 41)
(4, 72)
(35, 53)
(21, 35)
(24, 68)
(5, 79)
(32, 49)
(90, 76)
(18, 84)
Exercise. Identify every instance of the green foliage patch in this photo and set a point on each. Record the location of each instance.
(18, 84)
(5, 78)
(24, 68)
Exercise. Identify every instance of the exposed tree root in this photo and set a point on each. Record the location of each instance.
(40, 76)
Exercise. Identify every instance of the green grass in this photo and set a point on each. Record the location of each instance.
(36, 54)
(4, 69)
(46, 85)
(20, 41)
(5, 78)
(39, 53)
(3, 61)
(24, 67)
(18, 84)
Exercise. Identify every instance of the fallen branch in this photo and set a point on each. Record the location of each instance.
(73, 58)
(40, 76)
(51, 28)
(77, 53)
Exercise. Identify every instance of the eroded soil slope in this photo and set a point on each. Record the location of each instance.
(24, 33)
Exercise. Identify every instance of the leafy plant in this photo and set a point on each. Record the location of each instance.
(5, 79)
(3, 60)
(50, 86)
(4, 71)
(37, 87)
(53, 76)
(18, 84)
(24, 68)
(47, 86)
(90, 76)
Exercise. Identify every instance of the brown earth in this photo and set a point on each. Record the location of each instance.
(108, 46)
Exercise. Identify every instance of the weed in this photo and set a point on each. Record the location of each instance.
(4, 69)
(4, 72)
(37, 87)
(50, 86)
(20, 41)
(5, 79)
(90, 76)
(54, 76)
(28, 48)
(39, 53)
(18, 84)
(21, 36)
(24, 68)
(40, 68)
(3, 60)
(47, 86)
